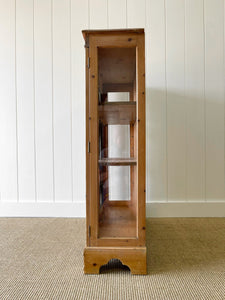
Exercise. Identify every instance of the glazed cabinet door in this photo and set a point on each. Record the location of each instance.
(116, 140)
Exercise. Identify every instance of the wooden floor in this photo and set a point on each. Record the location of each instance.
(118, 221)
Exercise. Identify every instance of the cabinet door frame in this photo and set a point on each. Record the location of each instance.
(114, 40)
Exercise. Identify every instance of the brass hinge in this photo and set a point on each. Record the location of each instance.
(86, 43)
(89, 146)
(88, 65)
(89, 230)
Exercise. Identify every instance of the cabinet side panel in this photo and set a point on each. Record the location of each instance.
(87, 152)
(140, 73)
(93, 155)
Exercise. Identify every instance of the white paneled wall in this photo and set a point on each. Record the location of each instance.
(43, 100)
(195, 100)
(42, 103)
(25, 100)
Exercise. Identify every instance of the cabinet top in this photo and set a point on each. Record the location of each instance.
(112, 31)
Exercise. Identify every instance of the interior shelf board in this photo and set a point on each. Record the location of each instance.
(120, 112)
(117, 161)
(118, 103)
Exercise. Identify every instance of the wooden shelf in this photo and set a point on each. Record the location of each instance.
(117, 112)
(117, 222)
(117, 161)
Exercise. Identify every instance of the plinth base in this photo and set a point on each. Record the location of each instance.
(134, 258)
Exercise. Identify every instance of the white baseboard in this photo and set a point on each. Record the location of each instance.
(185, 209)
(77, 209)
(61, 210)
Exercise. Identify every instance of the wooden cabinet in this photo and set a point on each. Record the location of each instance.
(115, 149)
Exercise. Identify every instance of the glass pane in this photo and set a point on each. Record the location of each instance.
(118, 96)
(117, 163)
(118, 135)
(119, 183)
(114, 183)
(118, 141)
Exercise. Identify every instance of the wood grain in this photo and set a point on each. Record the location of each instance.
(117, 113)
(134, 258)
(115, 223)
(116, 65)
(117, 161)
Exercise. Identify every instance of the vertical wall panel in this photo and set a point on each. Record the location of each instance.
(117, 13)
(62, 100)
(25, 100)
(79, 14)
(43, 99)
(8, 139)
(98, 14)
(136, 14)
(156, 168)
(214, 97)
(176, 106)
(194, 94)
